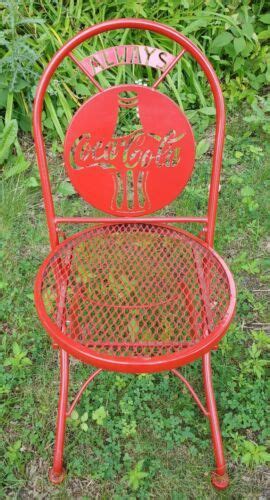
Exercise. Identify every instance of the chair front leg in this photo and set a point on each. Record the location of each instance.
(57, 472)
(219, 477)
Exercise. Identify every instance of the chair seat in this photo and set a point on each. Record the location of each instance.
(135, 296)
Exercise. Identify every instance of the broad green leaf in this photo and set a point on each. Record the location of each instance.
(74, 415)
(238, 63)
(3, 97)
(238, 154)
(17, 445)
(19, 165)
(99, 415)
(65, 188)
(239, 44)
(54, 117)
(84, 427)
(202, 148)
(16, 348)
(7, 138)
(82, 89)
(30, 20)
(265, 456)
(248, 29)
(195, 25)
(208, 110)
(265, 18)
(65, 104)
(247, 191)
(25, 123)
(246, 458)
(84, 417)
(264, 35)
(221, 40)
(32, 182)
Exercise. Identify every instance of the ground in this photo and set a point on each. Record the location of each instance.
(141, 437)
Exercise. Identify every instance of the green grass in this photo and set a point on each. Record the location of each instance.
(149, 433)
(136, 436)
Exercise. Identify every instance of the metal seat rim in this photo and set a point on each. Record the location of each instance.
(135, 364)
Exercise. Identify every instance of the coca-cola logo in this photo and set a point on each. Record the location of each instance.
(136, 150)
(135, 167)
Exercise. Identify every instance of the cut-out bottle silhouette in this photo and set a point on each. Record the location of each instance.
(130, 176)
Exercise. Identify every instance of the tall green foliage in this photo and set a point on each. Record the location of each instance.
(233, 34)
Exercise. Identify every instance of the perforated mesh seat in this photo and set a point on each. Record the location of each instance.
(139, 290)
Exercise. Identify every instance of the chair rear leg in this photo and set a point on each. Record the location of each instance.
(219, 476)
(57, 472)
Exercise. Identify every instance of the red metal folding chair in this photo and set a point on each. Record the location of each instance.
(128, 294)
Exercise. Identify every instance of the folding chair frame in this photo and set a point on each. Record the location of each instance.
(219, 476)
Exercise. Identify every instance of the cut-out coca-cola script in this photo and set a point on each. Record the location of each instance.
(129, 150)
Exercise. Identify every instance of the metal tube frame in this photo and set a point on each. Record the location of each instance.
(219, 477)
(187, 46)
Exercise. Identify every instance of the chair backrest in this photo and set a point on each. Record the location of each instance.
(129, 150)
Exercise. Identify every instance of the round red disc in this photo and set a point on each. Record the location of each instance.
(129, 150)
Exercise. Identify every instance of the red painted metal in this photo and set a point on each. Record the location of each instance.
(129, 220)
(133, 295)
(57, 472)
(85, 71)
(169, 67)
(192, 392)
(152, 163)
(143, 25)
(219, 477)
(80, 392)
(137, 254)
(111, 57)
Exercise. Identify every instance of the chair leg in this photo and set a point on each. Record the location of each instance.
(219, 477)
(57, 472)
